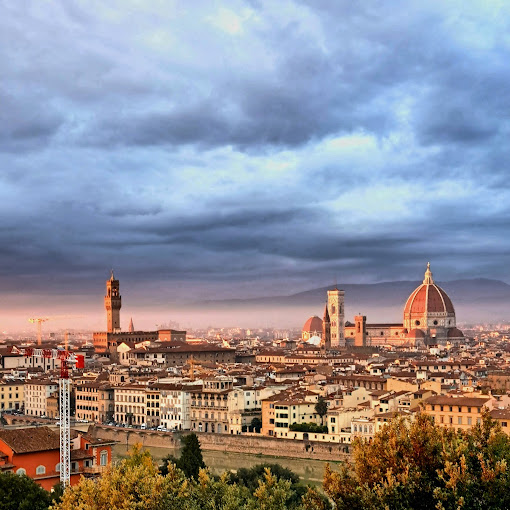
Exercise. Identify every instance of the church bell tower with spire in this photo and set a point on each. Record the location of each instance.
(112, 303)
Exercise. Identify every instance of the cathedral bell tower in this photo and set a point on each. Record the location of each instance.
(336, 317)
(112, 303)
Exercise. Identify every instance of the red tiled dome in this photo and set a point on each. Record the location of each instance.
(455, 333)
(416, 333)
(313, 324)
(428, 298)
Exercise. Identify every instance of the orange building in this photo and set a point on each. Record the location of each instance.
(35, 452)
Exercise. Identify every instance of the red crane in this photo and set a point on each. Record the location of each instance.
(67, 359)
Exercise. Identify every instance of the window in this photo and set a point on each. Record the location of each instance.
(21, 471)
(57, 467)
(103, 458)
(40, 470)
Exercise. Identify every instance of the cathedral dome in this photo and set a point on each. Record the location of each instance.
(428, 297)
(313, 326)
(455, 333)
(429, 306)
(415, 333)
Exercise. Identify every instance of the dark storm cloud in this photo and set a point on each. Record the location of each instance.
(277, 143)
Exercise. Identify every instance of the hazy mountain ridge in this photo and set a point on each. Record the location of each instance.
(385, 294)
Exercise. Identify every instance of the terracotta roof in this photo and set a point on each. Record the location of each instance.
(415, 333)
(430, 298)
(457, 401)
(500, 414)
(313, 324)
(81, 454)
(28, 440)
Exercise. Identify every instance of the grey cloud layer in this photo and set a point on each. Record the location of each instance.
(269, 141)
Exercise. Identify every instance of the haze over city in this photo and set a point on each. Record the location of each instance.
(265, 148)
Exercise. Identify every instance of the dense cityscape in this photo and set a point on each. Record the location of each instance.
(311, 394)
(253, 255)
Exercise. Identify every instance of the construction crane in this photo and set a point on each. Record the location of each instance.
(40, 320)
(67, 359)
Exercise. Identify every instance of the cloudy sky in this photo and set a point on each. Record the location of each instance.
(218, 149)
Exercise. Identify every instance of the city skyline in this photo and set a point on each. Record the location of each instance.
(267, 148)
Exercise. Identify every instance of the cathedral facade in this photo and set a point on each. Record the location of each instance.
(428, 319)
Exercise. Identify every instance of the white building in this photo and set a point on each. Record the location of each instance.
(37, 391)
(175, 406)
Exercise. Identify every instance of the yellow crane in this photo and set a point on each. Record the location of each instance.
(40, 320)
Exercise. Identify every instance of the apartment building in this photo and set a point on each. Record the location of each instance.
(37, 392)
(175, 406)
(12, 395)
(152, 406)
(459, 411)
(129, 404)
(95, 401)
(209, 405)
(288, 407)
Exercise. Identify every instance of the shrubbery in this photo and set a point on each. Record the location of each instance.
(309, 427)
(408, 465)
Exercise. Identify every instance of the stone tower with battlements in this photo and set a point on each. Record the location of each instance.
(336, 317)
(112, 303)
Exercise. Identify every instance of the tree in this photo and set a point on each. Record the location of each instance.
(252, 477)
(415, 464)
(22, 493)
(191, 460)
(134, 484)
(256, 424)
(165, 461)
(321, 408)
(272, 493)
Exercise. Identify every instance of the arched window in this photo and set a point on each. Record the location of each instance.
(103, 459)
(57, 468)
(40, 470)
(21, 471)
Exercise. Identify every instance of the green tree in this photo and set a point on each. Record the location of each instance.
(134, 484)
(165, 461)
(22, 493)
(272, 493)
(252, 477)
(191, 460)
(415, 464)
(321, 408)
(256, 424)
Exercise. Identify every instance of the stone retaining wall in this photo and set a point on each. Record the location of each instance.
(257, 445)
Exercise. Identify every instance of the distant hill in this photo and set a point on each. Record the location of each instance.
(474, 291)
(474, 300)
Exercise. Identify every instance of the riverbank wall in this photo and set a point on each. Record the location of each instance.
(255, 445)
